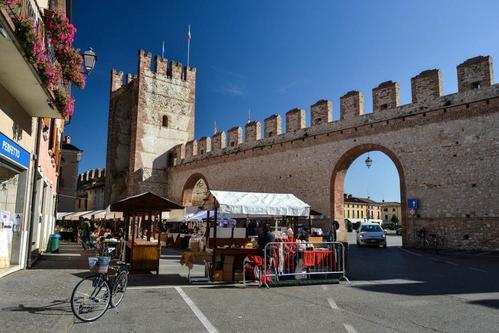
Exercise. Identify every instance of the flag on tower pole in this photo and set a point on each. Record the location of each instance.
(163, 50)
(188, 45)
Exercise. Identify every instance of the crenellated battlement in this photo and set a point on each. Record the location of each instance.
(161, 67)
(475, 82)
(165, 68)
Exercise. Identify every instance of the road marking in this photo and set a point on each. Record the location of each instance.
(201, 285)
(410, 252)
(332, 304)
(350, 328)
(451, 263)
(202, 318)
(324, 287)
(478, 269)
(389, 281)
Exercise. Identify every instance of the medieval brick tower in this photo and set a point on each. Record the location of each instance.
(148, 114)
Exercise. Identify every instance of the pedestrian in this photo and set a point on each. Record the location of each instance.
(265, 238)
(84, 231)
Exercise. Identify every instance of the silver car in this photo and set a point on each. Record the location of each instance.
(371, 234)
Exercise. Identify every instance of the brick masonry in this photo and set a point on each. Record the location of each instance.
(446, 149)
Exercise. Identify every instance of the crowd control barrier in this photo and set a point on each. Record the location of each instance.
(287, 261)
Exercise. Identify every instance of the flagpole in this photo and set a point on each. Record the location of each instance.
(188, 46)
(163, 50)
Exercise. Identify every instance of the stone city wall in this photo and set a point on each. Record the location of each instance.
(444, 147)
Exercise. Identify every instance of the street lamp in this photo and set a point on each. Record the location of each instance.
(89, 58)
(368, 161)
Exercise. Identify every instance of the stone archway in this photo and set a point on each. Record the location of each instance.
(338, 182)
(195, 190)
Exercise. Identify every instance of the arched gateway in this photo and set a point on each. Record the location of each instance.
(338, 182)
(195, 190)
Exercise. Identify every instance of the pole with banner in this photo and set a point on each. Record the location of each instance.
(188, 45)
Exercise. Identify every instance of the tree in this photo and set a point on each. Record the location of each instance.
(394, 219)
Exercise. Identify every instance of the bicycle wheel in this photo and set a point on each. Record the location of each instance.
(119, 288)
(91, 298)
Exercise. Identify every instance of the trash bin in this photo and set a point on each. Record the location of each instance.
(54, 241)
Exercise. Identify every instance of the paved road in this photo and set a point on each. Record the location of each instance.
(392, 290)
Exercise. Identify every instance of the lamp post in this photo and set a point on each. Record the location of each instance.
(368, 161)
(89, 59)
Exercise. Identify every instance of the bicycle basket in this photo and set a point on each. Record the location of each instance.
(99, 264)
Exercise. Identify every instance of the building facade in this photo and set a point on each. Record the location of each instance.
(361, 208)
(90, 190)
(68, 180)
(30, 130)
(390, 209)
(355, 208)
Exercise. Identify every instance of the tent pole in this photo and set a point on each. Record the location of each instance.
(214, 237)
(309, 225)
(157, 217)
(133, 237)
(208, 228)
(149, 225)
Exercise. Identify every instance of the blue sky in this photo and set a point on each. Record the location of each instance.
(272, 56)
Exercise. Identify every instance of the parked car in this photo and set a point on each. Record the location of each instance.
(371, 234)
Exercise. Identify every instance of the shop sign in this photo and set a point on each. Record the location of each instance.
(13, 152)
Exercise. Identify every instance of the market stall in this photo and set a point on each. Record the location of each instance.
(227, 261)
(142, 214)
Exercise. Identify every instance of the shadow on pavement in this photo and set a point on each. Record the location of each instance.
(70, 256)
(392, 270)
(55, 308)
(491, 303)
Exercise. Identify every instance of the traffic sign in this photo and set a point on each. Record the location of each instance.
(412, 203)
(412, 211)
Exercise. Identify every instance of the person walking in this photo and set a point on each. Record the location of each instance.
(265, 238)
(84, 231)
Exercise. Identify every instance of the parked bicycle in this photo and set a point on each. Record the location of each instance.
(433, 241)
(437, 242)
(421, 241)
(94, 294)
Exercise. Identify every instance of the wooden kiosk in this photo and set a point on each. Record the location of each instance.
(142, 244)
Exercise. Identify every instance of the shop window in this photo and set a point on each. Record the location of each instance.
(12, 189)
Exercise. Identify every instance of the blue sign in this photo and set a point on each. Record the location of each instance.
(13, 152)
(412, 203)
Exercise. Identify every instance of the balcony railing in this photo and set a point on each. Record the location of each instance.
(28, 9)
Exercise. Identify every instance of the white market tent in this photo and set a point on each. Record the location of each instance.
(76, 215)
(254, 203)
(60, 215)
(269, 204)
